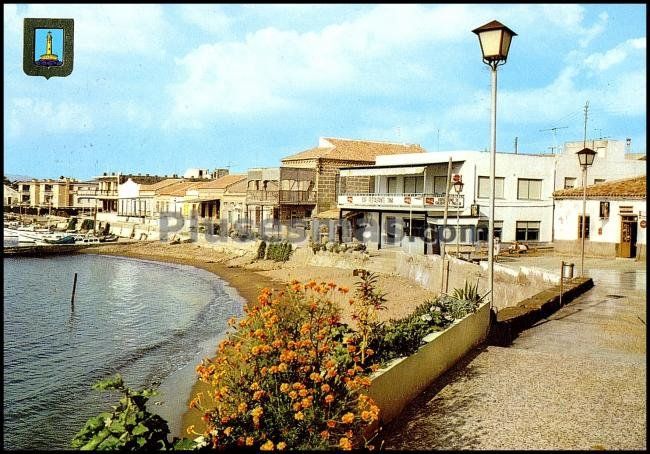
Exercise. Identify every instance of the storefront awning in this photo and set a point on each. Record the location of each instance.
(374, 171)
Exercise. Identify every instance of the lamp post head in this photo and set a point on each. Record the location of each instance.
(495, 39)
(458, 186)
(586, 157)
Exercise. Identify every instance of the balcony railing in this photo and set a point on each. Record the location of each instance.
(424, 201)
(297, 196)
(263, 196)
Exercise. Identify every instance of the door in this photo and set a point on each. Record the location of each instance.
(627, 247)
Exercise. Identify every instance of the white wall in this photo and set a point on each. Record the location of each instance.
(568, 210)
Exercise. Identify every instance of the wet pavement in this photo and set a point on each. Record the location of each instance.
(576, 380)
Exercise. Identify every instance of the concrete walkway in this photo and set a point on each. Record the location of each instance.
(576, 380)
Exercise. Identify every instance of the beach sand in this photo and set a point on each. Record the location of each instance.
(247, 278)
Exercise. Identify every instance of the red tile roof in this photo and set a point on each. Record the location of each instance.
(629, 188)
(222, 183)
(159, 185)
(355, 150)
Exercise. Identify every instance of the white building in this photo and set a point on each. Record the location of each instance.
(409, 193)
(197, 173)
(615, 214)
(10, 196)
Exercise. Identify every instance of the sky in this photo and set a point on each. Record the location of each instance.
(159, 89)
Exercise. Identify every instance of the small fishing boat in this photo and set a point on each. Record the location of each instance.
(68, 239)
(108, 238)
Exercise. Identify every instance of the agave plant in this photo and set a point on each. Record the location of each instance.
(469, 293)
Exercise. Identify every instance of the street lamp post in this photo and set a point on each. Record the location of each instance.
(586, 159)
(495, 39)
(458, 187)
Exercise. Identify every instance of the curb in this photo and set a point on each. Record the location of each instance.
(506, 324)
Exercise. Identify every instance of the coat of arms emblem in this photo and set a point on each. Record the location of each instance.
(48, 47)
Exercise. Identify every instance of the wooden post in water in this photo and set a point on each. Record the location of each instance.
(74, 289)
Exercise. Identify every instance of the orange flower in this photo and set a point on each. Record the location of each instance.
(325, 388)
(283, 367)
(325, 434)
(242, 407)
(255, 386)
(249, 441)
(366, 416)
(296, 406)
(347, 418)
(227, 431)
(345, 444)
(257, 411)
(268, 446)
(293, 395)
(281, 446)
(284, 387)
(329, 399)
(352, 348)
(331, 424)
(303, 393)
(344, 289)
(258, 395)
(299, 416)
(306, 403)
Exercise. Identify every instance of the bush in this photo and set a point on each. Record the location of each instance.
(290, 376)
(279, 251)
(129, 426)
(403, 337)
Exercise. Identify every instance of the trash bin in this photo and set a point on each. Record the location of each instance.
(567, 270)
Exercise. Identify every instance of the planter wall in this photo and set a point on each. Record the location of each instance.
(404, 379)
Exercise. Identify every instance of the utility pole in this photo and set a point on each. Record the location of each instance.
(554, 135)
(516, 148)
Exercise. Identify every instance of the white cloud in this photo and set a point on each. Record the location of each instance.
(606, 60)
(29, 115)
(270, 69)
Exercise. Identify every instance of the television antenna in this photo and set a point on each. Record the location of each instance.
(554, 147)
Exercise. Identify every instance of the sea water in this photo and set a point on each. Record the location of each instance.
(145, 320)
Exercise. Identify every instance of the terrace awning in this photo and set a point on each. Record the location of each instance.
(374, 171)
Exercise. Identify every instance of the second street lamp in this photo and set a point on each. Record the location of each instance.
(586, 158)
(495, 39)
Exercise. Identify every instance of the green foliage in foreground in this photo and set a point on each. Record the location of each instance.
(129, 426)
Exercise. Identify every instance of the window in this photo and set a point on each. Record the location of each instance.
(483, 227)
(484, 187)
(391, 185)
(440, 185)
(599, 180)
(529, 189)
(413, 185)
(527, 231)
(604, 210)
(580, 227)
(569, 182)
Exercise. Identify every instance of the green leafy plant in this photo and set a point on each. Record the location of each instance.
(129, 426)
(279, 251)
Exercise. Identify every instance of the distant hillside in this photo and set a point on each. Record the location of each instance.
(17, 177)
